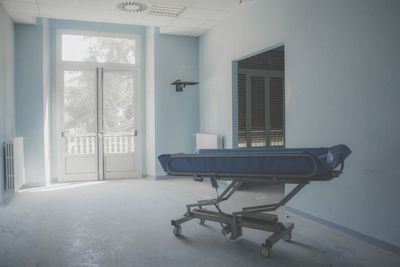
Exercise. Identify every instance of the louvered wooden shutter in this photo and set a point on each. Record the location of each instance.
(276, 111)
(242, 142)
(257, 109)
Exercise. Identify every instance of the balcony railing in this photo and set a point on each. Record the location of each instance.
(86, 144)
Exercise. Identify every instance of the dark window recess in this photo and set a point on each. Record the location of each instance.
(261, 100)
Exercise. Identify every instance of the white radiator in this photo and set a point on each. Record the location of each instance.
(14, 164)
(209, 141)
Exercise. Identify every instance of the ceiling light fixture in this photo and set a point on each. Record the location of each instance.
(132, 6)
(166, 10)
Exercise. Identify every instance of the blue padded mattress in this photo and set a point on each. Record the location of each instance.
(305, 163)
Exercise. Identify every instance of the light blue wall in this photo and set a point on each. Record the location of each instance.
(342, 86)
(7, 123)
(29, 97)
(176, 113)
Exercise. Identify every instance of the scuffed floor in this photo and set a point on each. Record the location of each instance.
(127, 223)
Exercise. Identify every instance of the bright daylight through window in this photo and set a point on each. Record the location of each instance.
(100, 49)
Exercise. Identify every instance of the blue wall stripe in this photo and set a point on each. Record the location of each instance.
(366, 238)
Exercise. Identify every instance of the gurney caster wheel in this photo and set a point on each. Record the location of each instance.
(265, 252)
(288, 237)
(177, 230)
(202, 221)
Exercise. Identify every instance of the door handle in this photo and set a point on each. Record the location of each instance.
(78, 135)
(118, 134)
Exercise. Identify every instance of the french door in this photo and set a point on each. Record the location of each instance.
(98, 123)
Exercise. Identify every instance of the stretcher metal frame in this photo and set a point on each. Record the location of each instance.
(254, 217)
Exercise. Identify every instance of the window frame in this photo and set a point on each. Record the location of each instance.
(267, 74)
(135, 37)
(61, 66)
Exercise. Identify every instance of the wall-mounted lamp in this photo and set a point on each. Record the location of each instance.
(179, 85)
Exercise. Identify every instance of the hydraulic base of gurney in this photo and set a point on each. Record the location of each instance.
(250, 217)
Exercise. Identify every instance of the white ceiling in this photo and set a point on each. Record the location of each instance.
(198, 16)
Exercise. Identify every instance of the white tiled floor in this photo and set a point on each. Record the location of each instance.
(127, 223)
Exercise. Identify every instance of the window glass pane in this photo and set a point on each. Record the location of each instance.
(118, 112)
(80, 110)
(118, 98)
(84, 48)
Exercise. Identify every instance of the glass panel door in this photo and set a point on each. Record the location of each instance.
(98, 124)
(120, 159)
(79, 124)
(96, 110)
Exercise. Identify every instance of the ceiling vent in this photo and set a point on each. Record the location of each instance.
(166, 10)
(132, 6)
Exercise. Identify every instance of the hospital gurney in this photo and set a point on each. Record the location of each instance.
(297, 166)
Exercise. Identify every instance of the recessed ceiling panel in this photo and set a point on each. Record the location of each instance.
(181, 17)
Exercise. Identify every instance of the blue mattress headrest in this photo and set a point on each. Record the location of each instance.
(336, 154)
(163, 161)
